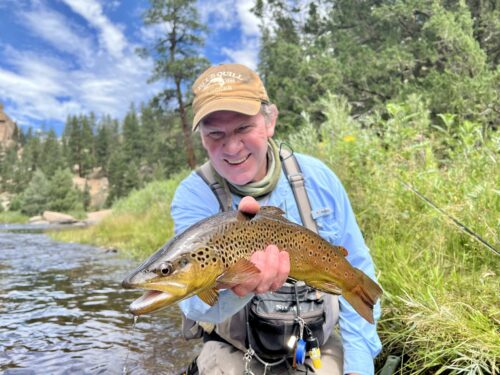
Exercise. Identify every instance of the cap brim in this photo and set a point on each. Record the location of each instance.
(246, 106)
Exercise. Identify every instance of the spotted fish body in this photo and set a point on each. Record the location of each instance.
(216, 250)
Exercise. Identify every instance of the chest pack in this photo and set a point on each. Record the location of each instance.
(270, 321)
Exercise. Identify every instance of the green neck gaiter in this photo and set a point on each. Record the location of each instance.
(264, 186)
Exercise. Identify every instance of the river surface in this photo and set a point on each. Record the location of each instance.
(63, 311)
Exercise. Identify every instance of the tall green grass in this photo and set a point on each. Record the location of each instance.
(441, 304)
(13, 217)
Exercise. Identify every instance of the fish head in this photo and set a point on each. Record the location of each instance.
(171, 275)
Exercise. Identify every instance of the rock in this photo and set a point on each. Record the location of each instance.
(35, 219)
(8, 129)
(97, 216)
(39, 222)
(97, 187)
(58, 218)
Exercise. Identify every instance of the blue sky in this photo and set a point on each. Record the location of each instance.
(62, 57)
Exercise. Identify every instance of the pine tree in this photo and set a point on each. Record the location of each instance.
(117, 168)
(177, 57)
(63, 195)
(51, 157)
(133, 146)
(36, 196)
(87, 156)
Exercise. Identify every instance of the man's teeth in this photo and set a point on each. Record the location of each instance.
(239, 161)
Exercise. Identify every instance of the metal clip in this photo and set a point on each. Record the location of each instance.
(247, 357)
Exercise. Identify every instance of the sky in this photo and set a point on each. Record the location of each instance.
(70, 57)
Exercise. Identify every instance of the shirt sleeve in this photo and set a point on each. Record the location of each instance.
(338, 225)
(360, 339)
(193, 201)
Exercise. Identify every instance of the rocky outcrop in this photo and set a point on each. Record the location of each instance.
(8, 129)
(98, 189)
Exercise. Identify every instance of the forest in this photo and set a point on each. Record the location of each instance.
(400, 98)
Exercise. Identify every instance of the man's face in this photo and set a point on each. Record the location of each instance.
(237, 144)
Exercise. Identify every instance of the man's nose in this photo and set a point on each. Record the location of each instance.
(232, 144)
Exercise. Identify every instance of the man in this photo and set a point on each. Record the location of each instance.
(236, 122)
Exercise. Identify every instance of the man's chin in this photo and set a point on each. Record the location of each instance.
(237, 178)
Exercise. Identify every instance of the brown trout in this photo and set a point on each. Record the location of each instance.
(215, 253)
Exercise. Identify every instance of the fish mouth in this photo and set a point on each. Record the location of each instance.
(151, 301)
(158, 296)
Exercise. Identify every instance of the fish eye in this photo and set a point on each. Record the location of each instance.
(166, 269)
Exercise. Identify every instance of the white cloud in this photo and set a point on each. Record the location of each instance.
(247, 55)
(41, 84)
(53, 28)
(249, 21)
(225, 15)
(110, 35)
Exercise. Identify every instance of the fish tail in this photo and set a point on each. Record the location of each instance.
(363, 295)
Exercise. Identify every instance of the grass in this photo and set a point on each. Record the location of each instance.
(441, 304)
(13, 217)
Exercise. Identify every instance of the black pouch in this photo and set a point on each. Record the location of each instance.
(272, 318)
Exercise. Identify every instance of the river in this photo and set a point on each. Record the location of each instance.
(63, 311)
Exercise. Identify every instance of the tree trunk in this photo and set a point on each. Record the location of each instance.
(186, 127)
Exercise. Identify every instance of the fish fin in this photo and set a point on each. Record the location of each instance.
(210, 296)
(364, 295)
(239, 272)
(343, 250)
(244, 216)
(271, 211)
(330, 288)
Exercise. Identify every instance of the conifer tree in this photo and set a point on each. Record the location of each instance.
(117, 168)
(103, 142)
(63, 196)
(87, 157)
(177, 57)
(35, 197)
(51, 156)
(133, 146)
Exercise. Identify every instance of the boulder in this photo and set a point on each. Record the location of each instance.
(97, 216)
(58, 218)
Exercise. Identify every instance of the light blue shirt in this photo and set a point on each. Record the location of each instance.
(194, 201)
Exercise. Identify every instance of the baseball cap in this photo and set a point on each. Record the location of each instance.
(227, 87)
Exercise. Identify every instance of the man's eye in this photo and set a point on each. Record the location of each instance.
(216, 135)
(244, 129)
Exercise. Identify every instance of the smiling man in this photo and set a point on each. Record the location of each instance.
(236, 122)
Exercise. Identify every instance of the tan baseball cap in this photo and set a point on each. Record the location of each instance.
(227, 87)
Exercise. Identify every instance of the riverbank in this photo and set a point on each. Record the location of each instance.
(441, 305)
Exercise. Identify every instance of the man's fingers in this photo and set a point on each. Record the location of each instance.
(274, 266)
(269, 270)
(283, 270)
(249, 205)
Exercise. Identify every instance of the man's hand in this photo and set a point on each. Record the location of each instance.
(274, 265)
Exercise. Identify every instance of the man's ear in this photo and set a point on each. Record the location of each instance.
(271, 123)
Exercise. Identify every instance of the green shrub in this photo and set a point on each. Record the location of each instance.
(441, 305)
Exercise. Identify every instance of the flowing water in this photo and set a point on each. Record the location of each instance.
(63, 311)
